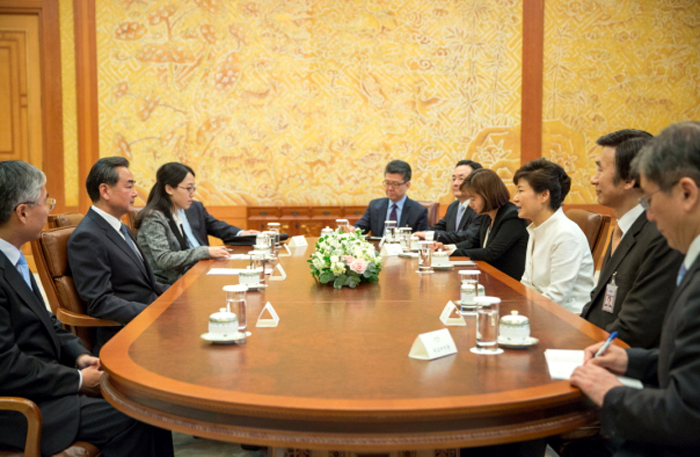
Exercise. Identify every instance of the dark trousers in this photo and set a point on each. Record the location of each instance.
(534, 448)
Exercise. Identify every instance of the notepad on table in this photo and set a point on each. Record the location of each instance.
(562, 363)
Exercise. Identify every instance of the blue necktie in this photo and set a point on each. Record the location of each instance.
(681, 273)
(23, 268)
(127, 236)
(460, 214)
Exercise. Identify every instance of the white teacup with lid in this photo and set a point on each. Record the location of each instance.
(223, 323)
(514, 328)
(441, 259)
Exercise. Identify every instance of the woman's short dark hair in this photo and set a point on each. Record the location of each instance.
(489, 186)
(170, 174)
(543, 175)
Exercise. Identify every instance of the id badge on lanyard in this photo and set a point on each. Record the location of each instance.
(610, 295)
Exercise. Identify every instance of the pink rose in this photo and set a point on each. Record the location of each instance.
(348, 259)
(358, 266)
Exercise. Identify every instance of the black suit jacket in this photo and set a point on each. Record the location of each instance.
(445, 230)
(204, 224)
(108, 275)
(664, 418)
(646, 270)
(506, 245)
(37, 361)
(413, 215)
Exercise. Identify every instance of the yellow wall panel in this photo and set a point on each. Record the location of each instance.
(301, 102)
(70, 113)
(610, 65)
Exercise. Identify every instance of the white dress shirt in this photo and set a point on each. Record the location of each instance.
(558, 263)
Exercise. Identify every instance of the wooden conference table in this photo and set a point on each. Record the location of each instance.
(335, 374)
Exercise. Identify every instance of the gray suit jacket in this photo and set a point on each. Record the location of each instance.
(664, 418)
(413, 215)
(163, 250)
(646, 270)
(37, 361)
(108, 275)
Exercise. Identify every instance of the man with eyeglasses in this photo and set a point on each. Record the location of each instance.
(41, 361)
(109, 270)
(638, 274)
(663, 417)
(460, 222)
(396, 206)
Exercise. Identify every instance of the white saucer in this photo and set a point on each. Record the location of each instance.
(223, 339)
(256, 287)
(530, 341)
(442, 267)
(409, 255)
(480, 351)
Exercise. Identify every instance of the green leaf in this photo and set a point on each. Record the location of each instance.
(326, 277)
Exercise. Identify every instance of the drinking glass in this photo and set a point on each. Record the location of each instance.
(430, 235)
(469, 289)
(390, 231)
(487, 324)
(342, 225)
(425, 256)
(235, 300)
(257, 262)
(405, 238)
(274, 229)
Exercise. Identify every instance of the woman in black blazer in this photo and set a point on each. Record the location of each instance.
(502, 238)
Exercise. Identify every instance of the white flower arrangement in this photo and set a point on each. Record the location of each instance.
(345, 259)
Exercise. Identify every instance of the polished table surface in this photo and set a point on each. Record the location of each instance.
(335, 373)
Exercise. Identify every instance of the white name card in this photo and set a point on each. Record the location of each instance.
(297, 241)
(271, 321)
(288, 253)
(451, 316)
(281, 275)
(433, 345)
(390, 250)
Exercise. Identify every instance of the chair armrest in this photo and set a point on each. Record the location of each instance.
(82, 320)
(32, 412)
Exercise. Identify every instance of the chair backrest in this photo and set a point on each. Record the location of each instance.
(595, 226)
(130, 219)
(51, 258)
(64, 220)
(433, 208)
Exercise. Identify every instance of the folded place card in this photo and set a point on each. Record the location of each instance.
(562, 363)
(297, 241)
(224, 271)
(391, 249)
(433, 345)
(270, 321)
(280, 275)
(284, 254)
(451, 315)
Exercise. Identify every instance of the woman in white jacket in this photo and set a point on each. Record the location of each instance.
(558, 262)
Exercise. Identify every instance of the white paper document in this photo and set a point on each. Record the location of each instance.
(238, 257)
(563, 362)
(433, 345)
(225, 271)
(451, 316)
(297, 241)
(391, 250)
(272, 321)
(462, 263)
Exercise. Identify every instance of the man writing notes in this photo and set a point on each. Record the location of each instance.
(663, 418)
(41, 361)
(109, 271)
(639, 269)
(459, 217)
(396, 206)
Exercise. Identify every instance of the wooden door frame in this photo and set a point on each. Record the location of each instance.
(51, 89)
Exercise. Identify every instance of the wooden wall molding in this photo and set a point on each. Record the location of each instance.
(532, 80)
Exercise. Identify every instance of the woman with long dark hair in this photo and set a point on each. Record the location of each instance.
(161, 225)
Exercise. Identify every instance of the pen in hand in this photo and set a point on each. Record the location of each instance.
(606, 345)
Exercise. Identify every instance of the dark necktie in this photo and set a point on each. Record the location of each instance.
(127, 236)
(392, 215)
(460, 214)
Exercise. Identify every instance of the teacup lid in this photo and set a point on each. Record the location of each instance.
(469, 272)
(223, 316)
(486, 300)
(236, 288)
(515, 319)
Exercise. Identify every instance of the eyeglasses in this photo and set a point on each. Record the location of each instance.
(392, 184)
(646, 201)
(191, 190)
(49, 203)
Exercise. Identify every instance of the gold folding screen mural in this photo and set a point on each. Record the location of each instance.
(299, 102)
(612, 64)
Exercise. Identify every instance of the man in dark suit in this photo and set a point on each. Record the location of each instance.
(203, 224)
(639, 270)
(396, 206)
(663, 418)
(39, 360)
(459, 217)
(108, 268)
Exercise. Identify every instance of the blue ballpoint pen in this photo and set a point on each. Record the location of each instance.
(606, 345)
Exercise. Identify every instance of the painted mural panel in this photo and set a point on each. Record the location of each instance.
(303, 102)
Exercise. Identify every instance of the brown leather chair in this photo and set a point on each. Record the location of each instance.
(32, 447)
(64, 220)
(595, 226)
(130, 219)
(51, 258)
(433, 208)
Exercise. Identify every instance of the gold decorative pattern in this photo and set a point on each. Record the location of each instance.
(298, 102)
(610, 65)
